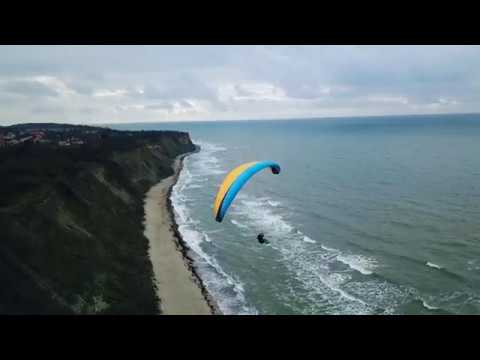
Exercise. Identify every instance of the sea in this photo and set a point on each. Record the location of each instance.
(369, 215)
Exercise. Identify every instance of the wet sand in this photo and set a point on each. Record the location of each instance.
(179, 290)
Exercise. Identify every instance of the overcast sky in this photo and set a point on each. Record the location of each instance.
(105, 84)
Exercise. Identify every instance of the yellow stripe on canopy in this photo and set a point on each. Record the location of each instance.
(227, 182)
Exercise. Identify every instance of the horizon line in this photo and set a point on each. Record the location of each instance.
(246, 119)
(288, 118)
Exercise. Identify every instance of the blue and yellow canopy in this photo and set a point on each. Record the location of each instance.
(234, 181)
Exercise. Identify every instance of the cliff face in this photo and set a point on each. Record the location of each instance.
(72, 224)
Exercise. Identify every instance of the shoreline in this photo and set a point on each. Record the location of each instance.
(180, 290)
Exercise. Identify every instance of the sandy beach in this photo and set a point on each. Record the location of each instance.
(179, 290)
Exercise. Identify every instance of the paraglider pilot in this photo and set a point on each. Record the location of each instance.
(261, 239)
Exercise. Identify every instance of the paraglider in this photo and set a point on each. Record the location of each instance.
(234, 181)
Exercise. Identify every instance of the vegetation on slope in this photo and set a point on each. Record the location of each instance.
(72, 223)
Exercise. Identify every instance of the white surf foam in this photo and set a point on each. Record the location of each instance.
(206, 164)
(274, 203)
(359, 263)
(362, 264)
(382, 296)
(261, 217)
(473, 265)
(308, 240)
(311, 269)
(238, 224)
(214, 231)
(432, 265)
(427, 306)
(328, 249)
(227, 290)
(194, 186)
(207, 238)
(209, 147)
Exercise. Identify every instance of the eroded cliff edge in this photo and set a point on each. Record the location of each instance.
(71, 222)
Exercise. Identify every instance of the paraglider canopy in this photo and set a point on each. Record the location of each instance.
(234, 181)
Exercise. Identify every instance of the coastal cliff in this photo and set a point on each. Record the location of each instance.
(71, 219)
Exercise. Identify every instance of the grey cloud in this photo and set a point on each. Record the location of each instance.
(241, 91)
(87, 110)
(10, 99)
(369, 67)
(111, 59)
(153, 92)
(29, 88)
(160, 106)
(186, 104)
(8, 69)
(45, 109)
(170, 105)
(179, 87)
(314, 79)
(81, 88)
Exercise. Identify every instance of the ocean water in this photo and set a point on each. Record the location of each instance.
(368, 216)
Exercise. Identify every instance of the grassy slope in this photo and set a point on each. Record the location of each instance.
(72, 225)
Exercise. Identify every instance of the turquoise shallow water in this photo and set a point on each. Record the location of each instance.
(369, 215)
